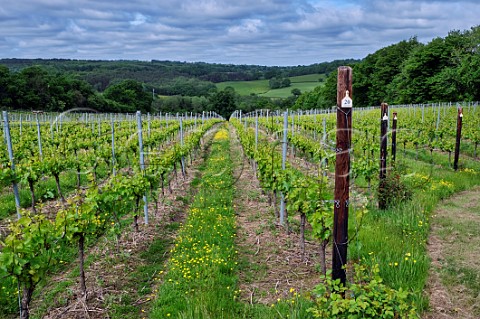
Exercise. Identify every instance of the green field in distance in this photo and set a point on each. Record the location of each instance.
(304, 83)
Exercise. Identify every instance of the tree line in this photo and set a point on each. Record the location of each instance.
(167, 76)
(409, 72)
(37, 88)
(126, 86)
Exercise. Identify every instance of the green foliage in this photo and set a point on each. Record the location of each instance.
(37, 89)
(308, 100)
(438, 70)
(27, 255)
(392, 190)
(365, 167)
(7, 176)
(28, 249)
(185, 86)
(366, 297)
(374, 75)
(131, 96)
(224, 102)
(296, 92)
(328, 96)
(308, 196)
(163, 75)
(278, 82)
(5, 78)
(82, 217)
(180, 104)
(444, 69)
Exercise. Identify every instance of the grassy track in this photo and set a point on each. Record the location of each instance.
(202, 273)
(201, 280)
(454, 246)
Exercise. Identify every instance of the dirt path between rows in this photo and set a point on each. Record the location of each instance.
(454, 247)
(272, 267)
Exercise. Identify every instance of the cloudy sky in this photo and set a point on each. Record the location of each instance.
(264, 32)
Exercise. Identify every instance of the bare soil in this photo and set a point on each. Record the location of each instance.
(272, 263)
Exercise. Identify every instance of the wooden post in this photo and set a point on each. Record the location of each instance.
(342, 170)
(459, 135)
(383, 155)
(394, 137)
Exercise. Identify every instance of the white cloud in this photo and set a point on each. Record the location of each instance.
(74, 28)
(97, 14)
(138, 19)
(247, 27)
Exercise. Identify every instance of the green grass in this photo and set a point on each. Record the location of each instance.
(246, 87)
(308, 78)
(139, 282)
(286, 92)
(304, 83)
(201, 273)
(456, 223)
(396, 238)
(201, 278)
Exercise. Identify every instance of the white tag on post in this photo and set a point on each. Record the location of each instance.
(347, 101)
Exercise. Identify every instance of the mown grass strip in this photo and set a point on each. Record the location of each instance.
(201, 276)
(201, 279)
